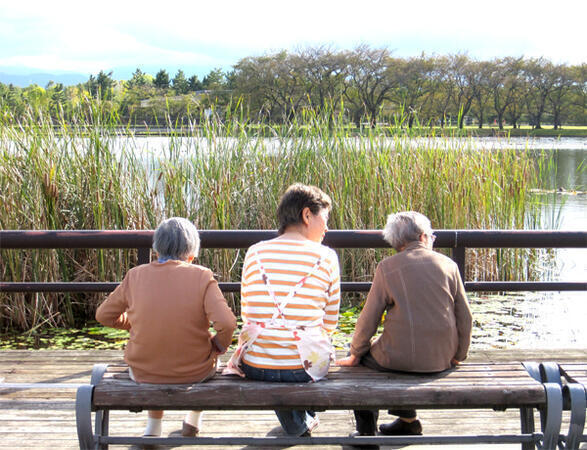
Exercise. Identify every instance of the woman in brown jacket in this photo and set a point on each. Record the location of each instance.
(168, 306)
(428, 322)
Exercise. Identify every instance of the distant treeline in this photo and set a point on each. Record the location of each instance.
(362, 86)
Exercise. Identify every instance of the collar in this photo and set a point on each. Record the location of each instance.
(415, 244)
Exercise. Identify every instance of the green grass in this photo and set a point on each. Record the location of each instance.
(95, 175)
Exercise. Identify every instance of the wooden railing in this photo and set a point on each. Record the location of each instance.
(455, 240)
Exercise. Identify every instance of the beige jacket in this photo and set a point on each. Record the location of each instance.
(168, 307)
(428, 321)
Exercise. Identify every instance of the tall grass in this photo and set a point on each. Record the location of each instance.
(94, 174)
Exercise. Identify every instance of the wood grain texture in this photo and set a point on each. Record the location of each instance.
(45, 418)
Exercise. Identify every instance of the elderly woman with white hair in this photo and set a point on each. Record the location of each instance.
(168, 306)
(428, 323)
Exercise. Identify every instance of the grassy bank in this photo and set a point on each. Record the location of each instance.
(93, 176)
(527, 131)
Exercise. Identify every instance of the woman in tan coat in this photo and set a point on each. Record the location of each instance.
(168, 306)
(428, 323)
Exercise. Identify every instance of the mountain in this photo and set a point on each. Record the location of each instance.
(41, 79)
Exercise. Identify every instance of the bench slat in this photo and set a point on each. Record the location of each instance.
(576, 372)
(467, 386)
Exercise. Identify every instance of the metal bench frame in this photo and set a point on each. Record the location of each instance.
(558, 393)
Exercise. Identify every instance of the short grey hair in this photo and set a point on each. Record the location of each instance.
(404, 227)
(176, 238)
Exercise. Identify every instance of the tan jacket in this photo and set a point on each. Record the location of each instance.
(428, 320)
(168, 308)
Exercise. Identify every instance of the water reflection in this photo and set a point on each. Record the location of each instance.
(529, 320)
(545, 319)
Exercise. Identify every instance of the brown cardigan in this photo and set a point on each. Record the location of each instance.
(428, 321)
(168, 308)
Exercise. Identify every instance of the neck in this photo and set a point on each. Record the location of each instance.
(293, 233)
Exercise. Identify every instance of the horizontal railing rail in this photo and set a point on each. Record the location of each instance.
(455, 240)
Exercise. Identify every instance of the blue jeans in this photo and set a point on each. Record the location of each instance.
(295, 422)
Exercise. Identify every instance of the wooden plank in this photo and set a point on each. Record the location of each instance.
(359, 387)
(575, 372)
(247, 394)
(47, 422)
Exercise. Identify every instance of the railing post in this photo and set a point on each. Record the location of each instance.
(144, 255)
(458, 256)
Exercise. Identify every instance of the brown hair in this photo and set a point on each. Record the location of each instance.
(297, 197)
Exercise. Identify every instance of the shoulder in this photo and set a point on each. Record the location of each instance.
(138, 270)
(390, 261)
(260, 246)
(330, 255)
(443, 259)
(202, 271)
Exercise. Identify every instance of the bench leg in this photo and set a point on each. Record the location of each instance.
(83, 417)
(527, 426)
(552, 417)
(578, 404)
(102, 422)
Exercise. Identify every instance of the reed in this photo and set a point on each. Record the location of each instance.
(93, 173)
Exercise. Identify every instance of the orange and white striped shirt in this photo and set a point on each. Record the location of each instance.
(315, 303)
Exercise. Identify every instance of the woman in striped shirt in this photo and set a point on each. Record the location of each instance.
(290, 298)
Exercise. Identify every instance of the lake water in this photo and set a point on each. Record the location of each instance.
(546, 319)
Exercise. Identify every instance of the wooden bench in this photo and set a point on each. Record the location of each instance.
(497, 386)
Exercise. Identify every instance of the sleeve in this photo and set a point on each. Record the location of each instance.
(370, 316)
(112, 312)
(463, 317)
(218, 313)
(333, 302)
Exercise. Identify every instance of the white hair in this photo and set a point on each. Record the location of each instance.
(404, 227)
(176, 238)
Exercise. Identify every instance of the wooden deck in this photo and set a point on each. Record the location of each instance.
(40, 413)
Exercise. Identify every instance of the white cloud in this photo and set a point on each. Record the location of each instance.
(61, 35)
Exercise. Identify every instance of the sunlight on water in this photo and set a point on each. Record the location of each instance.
(546, 320)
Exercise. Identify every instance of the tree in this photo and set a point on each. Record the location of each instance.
(323, 72)
(271, 85)
(195, 84)
(414, 85)
(162, 79)
(442, 90)
(101, 86)
(504, 83)
(465, 77)
(370, 83)
(138, 79)
(577, 109)
(559, 95)
(180, 83)
(214, 80)
(482, 90)
(539, 76)
(57, 98)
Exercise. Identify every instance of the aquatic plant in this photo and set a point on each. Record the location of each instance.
(92, 172)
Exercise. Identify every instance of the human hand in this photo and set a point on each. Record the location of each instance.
(216, 346)
(349, 361)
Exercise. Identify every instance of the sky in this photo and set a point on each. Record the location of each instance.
(63, 36)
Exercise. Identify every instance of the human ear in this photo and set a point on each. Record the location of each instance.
(306, 215)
